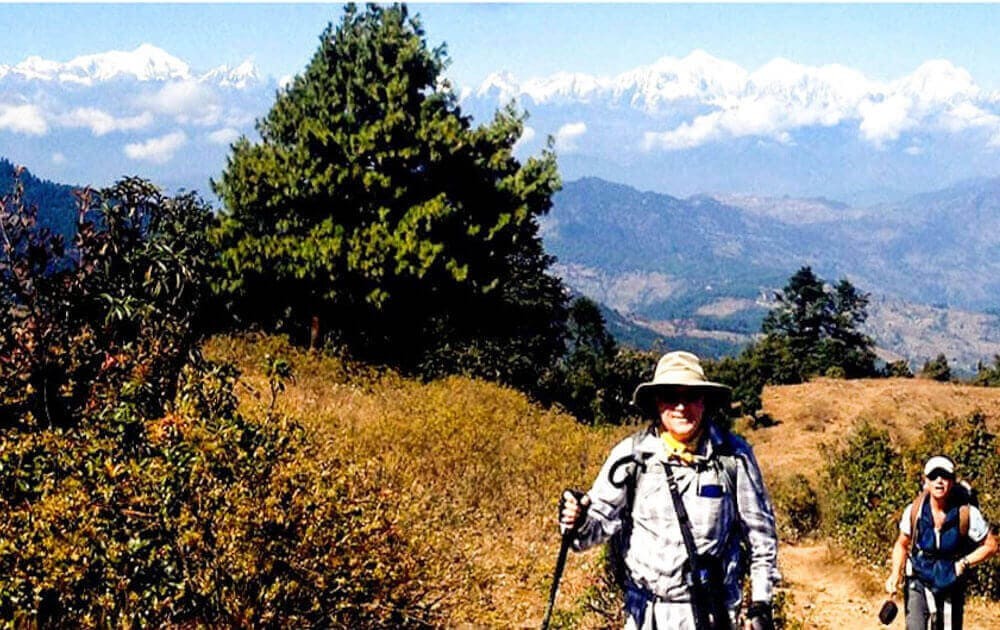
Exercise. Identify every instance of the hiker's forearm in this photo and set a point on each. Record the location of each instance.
(899, 551)
(983, 552)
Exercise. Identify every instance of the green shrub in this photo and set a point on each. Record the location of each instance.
(866, 489)
(111, 319)
(898, 369)
(198, 517)
(937, 369)
(796, 506)
(835, 371)
(988, 375)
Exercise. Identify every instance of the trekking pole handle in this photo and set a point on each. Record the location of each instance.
(582, 501)
(565, 542)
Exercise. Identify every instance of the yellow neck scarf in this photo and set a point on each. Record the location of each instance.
(681, 450)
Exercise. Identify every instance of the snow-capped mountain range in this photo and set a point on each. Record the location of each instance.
(677, 125)
(700, 76)
(698, 114)
(95, 118)
(145, 63)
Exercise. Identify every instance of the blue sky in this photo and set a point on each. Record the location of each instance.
(883, 41)
(913, 100)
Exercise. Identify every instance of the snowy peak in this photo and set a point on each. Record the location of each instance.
(699, 99)
(499, 85)
(697, 76)
(939, 81)
(240, 77)
(146, 63)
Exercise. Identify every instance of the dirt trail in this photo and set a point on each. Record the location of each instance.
(831, 594)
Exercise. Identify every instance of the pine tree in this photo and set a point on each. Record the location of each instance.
(820, 328)
(374, 210)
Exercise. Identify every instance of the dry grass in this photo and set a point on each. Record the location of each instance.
(479, 465)
(813, 417)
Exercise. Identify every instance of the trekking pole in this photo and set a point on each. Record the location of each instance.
(564, 545)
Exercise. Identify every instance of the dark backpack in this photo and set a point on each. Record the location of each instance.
(961, 493)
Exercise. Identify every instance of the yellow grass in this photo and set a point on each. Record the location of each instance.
(813, 417)
(479, 466)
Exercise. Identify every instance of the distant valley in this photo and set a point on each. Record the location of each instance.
(703, 270)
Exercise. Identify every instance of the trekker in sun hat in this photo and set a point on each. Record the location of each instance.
(679, 370)
(675, 501)
(942, 535)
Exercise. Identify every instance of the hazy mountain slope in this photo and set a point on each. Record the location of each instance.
(55, 202)
(687, 266)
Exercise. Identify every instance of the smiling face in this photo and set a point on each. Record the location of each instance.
(681, 410)
(939, 483)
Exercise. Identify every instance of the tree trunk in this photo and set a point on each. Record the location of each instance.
(314, 333)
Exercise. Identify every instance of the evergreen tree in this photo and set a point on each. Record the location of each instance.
(585, 370)
(819, 328)
(937, 369)
(373, 211)
(988, 375)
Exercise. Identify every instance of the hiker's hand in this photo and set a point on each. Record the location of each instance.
(572, 507)
(759, 617)
(959, 568)
(892, 584)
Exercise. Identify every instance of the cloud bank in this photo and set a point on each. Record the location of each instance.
(157, 150)
(709, 100)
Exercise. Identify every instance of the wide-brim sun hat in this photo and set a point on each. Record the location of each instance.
(676, 370)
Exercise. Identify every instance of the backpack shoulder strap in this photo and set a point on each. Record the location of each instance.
(636, 467)
(963, 520)
(728, 457)
(618, 542)
(915, 508)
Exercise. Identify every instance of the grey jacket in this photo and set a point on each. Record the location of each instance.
(654, 552)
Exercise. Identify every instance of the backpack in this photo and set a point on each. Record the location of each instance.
(637, 465)
(962, 493)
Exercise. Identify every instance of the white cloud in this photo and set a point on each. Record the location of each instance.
(187, 101)
(527, 135)
(567, 136)
(913, 150)
(58, 158)
(967, 115)
(23, 119)
(101, 123)
(884, 120)
(226, 136)
(157, 150)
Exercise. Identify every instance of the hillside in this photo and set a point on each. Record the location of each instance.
(812, 417)
(482, 467)
(707, 267)
(55, 202)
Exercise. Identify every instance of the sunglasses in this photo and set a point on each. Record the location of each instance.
(673, 397)
(938, 473)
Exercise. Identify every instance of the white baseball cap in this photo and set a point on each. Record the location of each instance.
(939, 462)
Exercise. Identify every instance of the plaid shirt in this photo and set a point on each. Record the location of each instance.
(654, 553)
